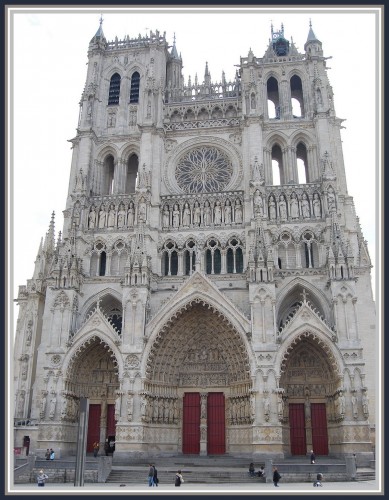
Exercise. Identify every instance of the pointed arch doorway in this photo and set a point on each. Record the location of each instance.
(92, 374)
(308, 376)
(202, 358)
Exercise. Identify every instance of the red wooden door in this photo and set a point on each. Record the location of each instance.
(297, 429)
(93, 426)
(216, 423)
(319, 428)
(191, 423)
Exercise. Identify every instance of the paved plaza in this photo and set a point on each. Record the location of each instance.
(345, 488)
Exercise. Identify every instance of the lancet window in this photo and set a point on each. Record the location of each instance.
(296, 92)
(132, 173)
(114, 89)
(134, 91)
(108, 175)
(273, 99)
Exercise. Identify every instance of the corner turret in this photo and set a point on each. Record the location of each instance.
(313, 46)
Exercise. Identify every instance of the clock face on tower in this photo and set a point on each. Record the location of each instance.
(281, 47)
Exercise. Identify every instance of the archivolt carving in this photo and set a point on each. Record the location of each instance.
(87, 352)
(318, 341)
(198, 346)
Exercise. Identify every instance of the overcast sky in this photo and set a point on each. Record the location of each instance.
(48, 52)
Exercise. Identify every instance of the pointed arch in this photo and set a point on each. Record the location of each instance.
(291, 293)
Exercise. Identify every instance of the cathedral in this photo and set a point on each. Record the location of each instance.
(210, 291)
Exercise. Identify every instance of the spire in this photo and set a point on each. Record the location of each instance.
(312, 39)
(50, 237)
(38, 261)
(207, 75)
(311, 34)
(99, 36)
(174, 52)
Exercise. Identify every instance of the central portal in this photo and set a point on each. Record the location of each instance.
(204, 427)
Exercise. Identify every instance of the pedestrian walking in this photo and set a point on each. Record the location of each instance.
(179, 479)
(155, 478)
(150, 476)
(41, 478)
(52, 454)
(251, 469)
(276, 476)
(313, 457)
(106, 447)
(47, 454)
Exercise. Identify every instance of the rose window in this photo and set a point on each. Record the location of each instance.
(204, 169)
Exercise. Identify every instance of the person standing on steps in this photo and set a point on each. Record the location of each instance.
(313, 457)
(179, 479)
(276, 476)
(96, 447)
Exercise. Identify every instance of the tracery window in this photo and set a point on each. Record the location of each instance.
(170, 259)
(204, 169)
(190, 257)
(234, 257)
(213, 257)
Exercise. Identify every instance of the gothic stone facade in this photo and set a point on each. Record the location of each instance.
(192, 293)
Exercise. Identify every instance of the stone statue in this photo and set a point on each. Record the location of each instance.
(29, 332)
(111, 216)
(258, 203)
(272, 208)
(197, 214)
(131, 215)
(282, 208)
(365, 404)
(142, 210)
(227, 212)
(305, 211)
(176, 216)
(102, 217)
(20, 410)
(76, 214)
(217, 214)
(342, 404)
(121, 216)
(43, 403)
(92, 217)
(294, 206)
(238, 212)
(280, 406)
(316, 206)
(165, 217)
(207, 214)
(53, 403)
(354, 403)
(117, 408)
(186, 215)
